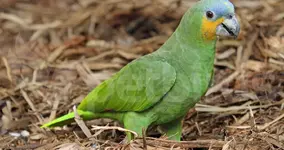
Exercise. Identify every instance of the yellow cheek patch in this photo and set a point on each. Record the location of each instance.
(208, 28)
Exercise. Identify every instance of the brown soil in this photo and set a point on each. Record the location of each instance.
(54, 52)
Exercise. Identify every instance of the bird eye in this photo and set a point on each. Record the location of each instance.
(230, 16)
(209, 14)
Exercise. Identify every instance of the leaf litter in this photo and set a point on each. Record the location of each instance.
(54, 52)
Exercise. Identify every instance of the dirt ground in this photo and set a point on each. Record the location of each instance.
(53, 52)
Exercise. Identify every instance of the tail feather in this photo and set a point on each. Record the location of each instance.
(69, 118)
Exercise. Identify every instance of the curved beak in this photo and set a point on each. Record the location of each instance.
(229, 27)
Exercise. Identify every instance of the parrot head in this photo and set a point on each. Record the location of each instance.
(212, 18)
(218, 19)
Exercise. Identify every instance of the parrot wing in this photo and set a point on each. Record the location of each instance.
(136, 87)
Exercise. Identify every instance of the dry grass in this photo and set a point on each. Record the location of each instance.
(54, 52)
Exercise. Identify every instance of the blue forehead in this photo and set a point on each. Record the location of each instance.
(220, 7)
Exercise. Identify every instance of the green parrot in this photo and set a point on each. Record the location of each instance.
(160, 88)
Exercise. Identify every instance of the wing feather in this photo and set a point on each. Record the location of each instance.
(137, 87)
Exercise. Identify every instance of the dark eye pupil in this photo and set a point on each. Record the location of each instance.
(209, 14)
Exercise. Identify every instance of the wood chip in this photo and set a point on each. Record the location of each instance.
(81, 123)
(222, 83)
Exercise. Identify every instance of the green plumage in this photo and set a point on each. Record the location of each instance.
(137, 87)
(159, 88)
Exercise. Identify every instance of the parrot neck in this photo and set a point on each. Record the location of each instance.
(188, 38)
(193, 39)
(190, 32)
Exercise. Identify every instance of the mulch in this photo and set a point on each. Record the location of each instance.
(54, 52)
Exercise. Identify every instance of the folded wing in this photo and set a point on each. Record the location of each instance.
(137, 87)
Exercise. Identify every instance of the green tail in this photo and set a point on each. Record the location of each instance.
(69, 118)
(85, 115)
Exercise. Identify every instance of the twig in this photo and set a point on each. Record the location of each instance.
(221, 84)
(239, 127)
(225, 64)
(81, 123)
(271, 140)
(186, 144)
(34, 76)
(99, 132)
(100, 56)
(8, 69)
(243, 119)
(53, 56)
(252, 116)
(144, 139)
(198, 129)
(276, 62)
(253, 65)
(24, 24)
(226, 54)
(36, 35)
(210, 147)
(263, 127)
(59, 50)
(227, 145)
(30, 103)
(114, 128)
(248, 51)
(208, 108)
(56, 53)
(54, 108)
(238, 61)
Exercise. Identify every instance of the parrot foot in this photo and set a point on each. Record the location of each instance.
(137, 123)
(173, 129)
